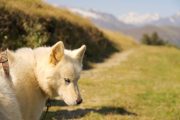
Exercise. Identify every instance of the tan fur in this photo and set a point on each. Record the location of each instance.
(57, 53)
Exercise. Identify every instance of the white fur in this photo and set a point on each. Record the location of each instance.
(9, 107)
(36, 76)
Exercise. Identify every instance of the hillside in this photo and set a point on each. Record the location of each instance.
(101, 19)
(120, 40)
(35, 23)
(168, 33)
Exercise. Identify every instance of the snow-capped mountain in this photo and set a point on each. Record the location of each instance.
(135, 24)
(130, 20)
(104, 20)
(150, 19)
(168, 21)
(85, 13)
(139, 19)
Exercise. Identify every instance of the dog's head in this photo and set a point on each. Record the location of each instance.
(65, 72)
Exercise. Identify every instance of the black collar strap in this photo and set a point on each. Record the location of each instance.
(48, 105)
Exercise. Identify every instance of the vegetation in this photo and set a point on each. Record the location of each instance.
(32, 23)
(120, 41)
(154, 39)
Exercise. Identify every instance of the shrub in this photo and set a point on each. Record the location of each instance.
(154, 39)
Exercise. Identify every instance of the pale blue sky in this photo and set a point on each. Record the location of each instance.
(120, 7)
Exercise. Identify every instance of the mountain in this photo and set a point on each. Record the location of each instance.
(150, 19)
(170, 21)
(168, 33)
(131, 20)
(139, 19)
(135, 25)
(103, 20)
(167, 28)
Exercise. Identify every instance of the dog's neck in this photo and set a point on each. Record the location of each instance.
(30, 96)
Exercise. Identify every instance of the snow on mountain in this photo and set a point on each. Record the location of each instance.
(85, 13)
(101, 19)
(127, 21)
(168, 21)
(135, 25)
(178, 14)
(150, 19)
(130, 20)
(139, 19)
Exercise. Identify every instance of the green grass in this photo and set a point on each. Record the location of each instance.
(144, 87)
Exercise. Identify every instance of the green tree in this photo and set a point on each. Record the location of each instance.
(146, 39)
(154, 39)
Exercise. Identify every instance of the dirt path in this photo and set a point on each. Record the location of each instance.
(115, 59)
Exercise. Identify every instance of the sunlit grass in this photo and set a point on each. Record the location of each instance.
(120, 40)
(37, 7)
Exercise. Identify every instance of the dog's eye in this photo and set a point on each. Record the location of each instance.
(67, 81)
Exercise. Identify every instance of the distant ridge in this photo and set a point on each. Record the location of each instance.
(168, 27)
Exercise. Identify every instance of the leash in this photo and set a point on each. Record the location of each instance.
(5, 64)
(48, 105)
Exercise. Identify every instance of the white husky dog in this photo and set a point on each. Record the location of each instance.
(44, 73)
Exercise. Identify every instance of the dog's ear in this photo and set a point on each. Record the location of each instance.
(57, 52)
(79, 53)
(11, 56)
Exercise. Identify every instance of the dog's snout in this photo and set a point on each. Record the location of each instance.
(79, 101)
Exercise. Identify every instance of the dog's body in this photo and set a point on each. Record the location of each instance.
(45, 73)
(28, 92)
(9, 107)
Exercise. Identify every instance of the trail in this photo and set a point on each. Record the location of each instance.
(113, 60)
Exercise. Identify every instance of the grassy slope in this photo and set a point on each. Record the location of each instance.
(120, 40)
(144, 87)
(33, 23)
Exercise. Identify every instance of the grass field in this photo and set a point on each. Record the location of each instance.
(144, 86)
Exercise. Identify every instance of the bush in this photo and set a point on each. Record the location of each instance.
(154, 39)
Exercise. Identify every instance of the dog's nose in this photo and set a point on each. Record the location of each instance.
(79, 101)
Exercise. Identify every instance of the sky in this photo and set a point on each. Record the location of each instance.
(123, 7)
